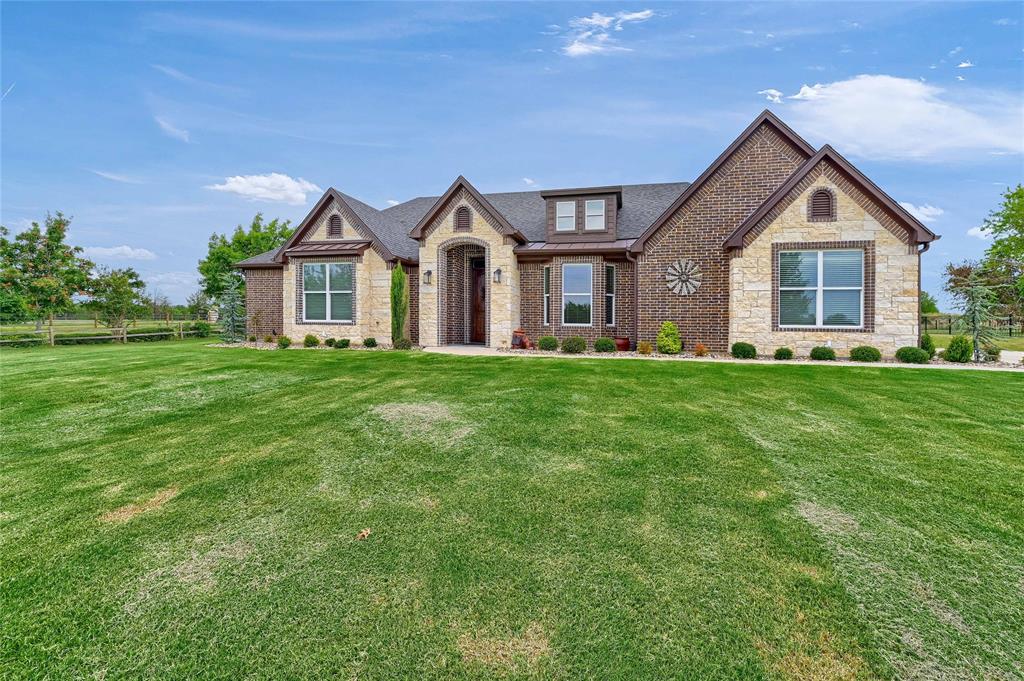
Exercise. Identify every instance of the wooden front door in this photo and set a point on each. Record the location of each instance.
(478, 302)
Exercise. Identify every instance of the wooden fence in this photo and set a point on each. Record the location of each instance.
(50, 336)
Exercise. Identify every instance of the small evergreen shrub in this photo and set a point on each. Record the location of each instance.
(908, 354)
(370, 342)
(342, 343)
(783, 353)
(574, 345)
(992, 353)
(549, 343)
(283, 342)
(402, 344)
(960, 350)
(744, 351)
(823, 353)
(202, 329)
(669, 342)
(252, 339)
(268, 338)
(329, 342)
(927, 344)
(311, 341)
(700, 350)
(865, 353)
(644, 347)
(604, 345)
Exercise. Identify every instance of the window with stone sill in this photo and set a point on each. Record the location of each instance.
(327, 292)
(821, 289)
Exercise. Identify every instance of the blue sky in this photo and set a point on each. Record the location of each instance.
(154, 125)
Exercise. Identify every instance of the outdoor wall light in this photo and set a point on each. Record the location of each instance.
(426, 277)
(497, 276)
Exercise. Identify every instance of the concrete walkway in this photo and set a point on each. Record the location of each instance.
(481, 351)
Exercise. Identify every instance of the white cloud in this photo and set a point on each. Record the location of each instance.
(965, 64)
(8, 91)
(955, 51)
(529, 182)
(925, 213)
(115, 177)
(117, 253)
(392, 202)
(1004, 22)
(276, 187)
(591, 35)
(884, 117)
(772, 95)
(170, 130)
(175, 285)
(174, 73)
(980, 233)
(960, 78)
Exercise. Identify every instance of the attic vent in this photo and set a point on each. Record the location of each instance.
(334, 226)
(822, 206)
(463, 219)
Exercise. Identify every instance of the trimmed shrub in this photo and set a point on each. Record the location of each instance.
(329, 342)
(268, 338)
(342, 343)
(823, 353)
(202, 329)
(402, 344)
(783, 353)
(549, 343)
(311, 341)
(700, 350)
(992, 353)
(960, 350)
(644, 347)
(865, 353)
(574, 345)
(927, 344)
(23, 340)
(669, 342)
(370, 342)
(283, 342)
(161, 333)
(744, 351)
(252, 339)
(604, 345)
(911, 355)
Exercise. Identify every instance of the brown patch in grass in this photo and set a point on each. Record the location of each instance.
(760, 495)
(809, 570)
(428, 503)
(113, 490)
(363, 534)
(943, 612)
(830, 521)
(199, 568)
(126, 513)
(813, 658)
(506, 655)
(419, 419)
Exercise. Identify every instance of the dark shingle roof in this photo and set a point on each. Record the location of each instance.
(266, 259)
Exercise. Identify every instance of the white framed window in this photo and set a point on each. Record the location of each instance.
(565, 216)
(327, 292)
(547, 296)
(609, 295)
(594, 214)
(577, 294)
(821, 289)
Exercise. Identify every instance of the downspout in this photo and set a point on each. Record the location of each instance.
(923, 247)
(636, 296)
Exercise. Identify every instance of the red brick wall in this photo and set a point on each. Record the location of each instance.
(414, 303)
(263, 301)
(696, 233)
(457, 290)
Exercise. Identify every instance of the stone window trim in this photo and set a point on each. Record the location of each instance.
(297, 263)
(868, 320)
(814, 211)
(442, 285)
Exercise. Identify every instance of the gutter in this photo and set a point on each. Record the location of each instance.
(636, 295)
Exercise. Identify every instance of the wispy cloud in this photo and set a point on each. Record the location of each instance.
(966, 64)
(275, 187)
(392, 202)
(8, 91)
(772, 95)
(955, 51)
(593, 34)
(171, 130)
(925, 213)
(174, 73)
(980, 233)
(1005, 21)
(115, 177)
(117, 253)
(529, 182)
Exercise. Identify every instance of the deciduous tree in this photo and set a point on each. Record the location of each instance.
(223, 253)
(116, 295)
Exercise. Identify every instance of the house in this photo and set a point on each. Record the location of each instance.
(776, 243)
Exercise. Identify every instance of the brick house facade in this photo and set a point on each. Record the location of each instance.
(775, 243)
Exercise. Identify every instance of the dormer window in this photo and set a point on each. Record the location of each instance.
(565, 216)
(334, 227)
(594, 215)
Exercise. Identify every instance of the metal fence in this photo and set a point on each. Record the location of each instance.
(1009, 326)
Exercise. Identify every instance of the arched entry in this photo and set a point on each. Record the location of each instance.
(463, 292)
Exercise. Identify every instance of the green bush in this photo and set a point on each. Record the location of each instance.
(252, 339)
(402, 344)
(549, 343)
(604, 345)
(927, 344)
(865, 353)
(574, 345)
(160, 333)
(992, 353)
(283, 342)
(85, 338)
(268, 338)
(342, 343)
(329, 342)
(911, 355)
(311, 341)
(23, 340)
(960, 350)
(644, 347)
(202, 329)
(823, 353)
(369, 342)
(668, 341)
(783, 353)
(744, 351)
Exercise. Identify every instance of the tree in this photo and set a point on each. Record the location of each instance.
(232, 310)
(116, 295)
(399, 303)
(223, 253)
(197, 304)
(41, 270)
(977, 312)
(928, 303)
(1004, 259)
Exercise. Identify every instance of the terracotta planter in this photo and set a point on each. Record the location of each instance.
(622, 343)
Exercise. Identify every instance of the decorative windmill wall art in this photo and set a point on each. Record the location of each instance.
(683, 277)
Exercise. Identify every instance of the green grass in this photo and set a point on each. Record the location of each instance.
(1005, 342)
(553, 518)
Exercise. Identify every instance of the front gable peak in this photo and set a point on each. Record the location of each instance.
(459, 187)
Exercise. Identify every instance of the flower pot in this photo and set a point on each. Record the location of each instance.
(622, 343)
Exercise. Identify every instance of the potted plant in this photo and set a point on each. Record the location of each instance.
(622, 343)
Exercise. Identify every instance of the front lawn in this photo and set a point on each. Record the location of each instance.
(174, 510)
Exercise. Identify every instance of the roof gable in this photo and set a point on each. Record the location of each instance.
(462, 184)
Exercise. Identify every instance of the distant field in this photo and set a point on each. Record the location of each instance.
(75, 325)
(1005, 342)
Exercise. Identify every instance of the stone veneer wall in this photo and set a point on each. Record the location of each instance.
(532, 303)
(696, 233)
(263, 306)
(502, 299)
(895, 297)
(318, 232)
